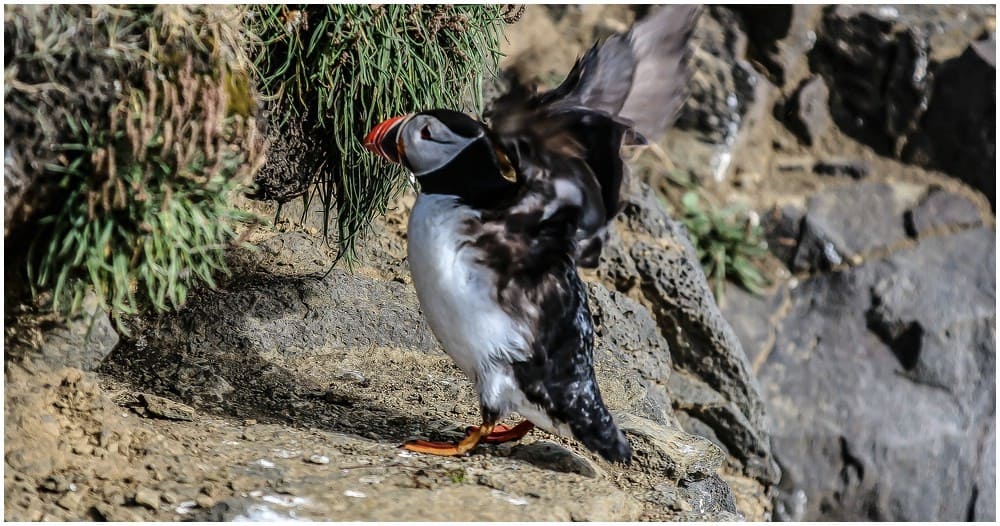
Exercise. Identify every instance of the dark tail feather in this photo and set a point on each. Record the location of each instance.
(574, 399)
(598, 431)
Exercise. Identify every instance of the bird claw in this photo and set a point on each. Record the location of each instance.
(502, 433)
(433, 448)
(499, 428)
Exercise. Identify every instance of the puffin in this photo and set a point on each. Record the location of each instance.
(506, 213)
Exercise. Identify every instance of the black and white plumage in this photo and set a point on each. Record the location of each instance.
(506, 213)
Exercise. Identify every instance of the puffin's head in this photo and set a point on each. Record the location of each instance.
(427, 141)
(448, 151)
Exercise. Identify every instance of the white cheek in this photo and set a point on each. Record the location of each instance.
(429, 156)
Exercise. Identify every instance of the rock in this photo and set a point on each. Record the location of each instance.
(552, 456)
(845, 223)
(779, 38)
(147, 497)
(853, 168)
(242, 484)
(909, 82)
(116, 513)
(941, 210)
(986, 49)
(958, 132)
(702, 344)
(707, 413)
(604, 507)
(765, 27)
(781, 228)
(291, 253)
(56, 484)
(628, 341)
(948, 27)
(82, 341)
(677, 454)
(716, 108)
(70, 501)
(727, 97)
(935, 346)
(744, 310)
(710, 495)
(318, 459)
(799, 163)
(166, 408)
(877, 74)
(985, 505)
(879, 381)
(807, 115)
(227, 341)
(752, 504)
(293, 347)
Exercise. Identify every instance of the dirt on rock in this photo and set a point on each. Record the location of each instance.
(315, 436)
(285, 393)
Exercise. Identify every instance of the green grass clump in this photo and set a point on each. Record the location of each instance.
(334, 71)
(136, 175)
(728, 244)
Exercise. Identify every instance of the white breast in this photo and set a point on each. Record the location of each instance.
(457, 296)
(456, 293)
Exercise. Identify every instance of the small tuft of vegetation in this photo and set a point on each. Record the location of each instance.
(128, 129)
(331, 72)
(457, 476)
(728, 243)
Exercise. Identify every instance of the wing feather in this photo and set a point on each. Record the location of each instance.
(632, 83)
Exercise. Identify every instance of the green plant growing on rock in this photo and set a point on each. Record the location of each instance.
(728, 244)
(457, 476)
(330, 72)
(128, 131)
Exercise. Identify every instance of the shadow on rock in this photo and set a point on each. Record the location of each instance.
(286, 349)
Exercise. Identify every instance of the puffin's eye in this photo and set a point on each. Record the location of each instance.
(425, 133)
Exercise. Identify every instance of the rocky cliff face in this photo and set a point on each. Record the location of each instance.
(861, 386)
(878, 377)
(297, 389)
(876, 355)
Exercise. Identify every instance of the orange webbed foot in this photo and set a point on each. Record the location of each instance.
(475, 436)
(502, 433)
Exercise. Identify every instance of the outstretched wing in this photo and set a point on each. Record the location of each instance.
(641, 76)
(631, 86)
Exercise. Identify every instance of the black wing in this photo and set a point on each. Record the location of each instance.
(633, 82)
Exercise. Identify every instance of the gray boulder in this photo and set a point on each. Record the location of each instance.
(877, 73)
(958, 132)
(879, 378)
(81, 340)
(915, 82)
(941, 210)
(808, 114)
(845, 224)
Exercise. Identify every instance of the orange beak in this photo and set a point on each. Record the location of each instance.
(382, 140)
